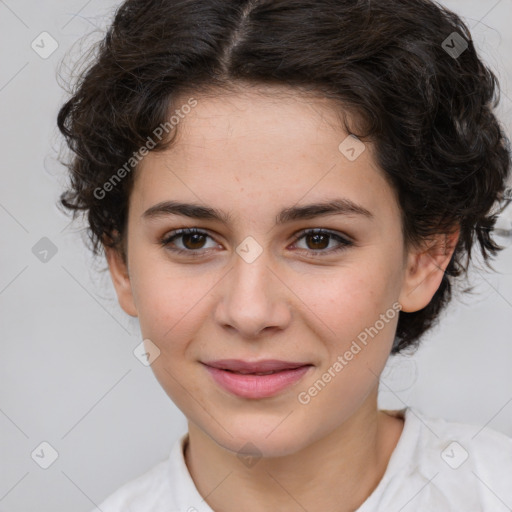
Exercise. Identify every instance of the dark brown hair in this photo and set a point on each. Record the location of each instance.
(427, 110)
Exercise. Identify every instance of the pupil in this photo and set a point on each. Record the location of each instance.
(188, 237)
(316, 237)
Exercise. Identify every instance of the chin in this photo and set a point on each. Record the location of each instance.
(278, 446)
(262, 438)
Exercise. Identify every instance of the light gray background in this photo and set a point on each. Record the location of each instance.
(68, 374)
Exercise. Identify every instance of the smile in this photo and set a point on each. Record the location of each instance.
(256, 380)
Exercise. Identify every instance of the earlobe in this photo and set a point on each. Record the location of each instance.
(425, 270)
(121, 280)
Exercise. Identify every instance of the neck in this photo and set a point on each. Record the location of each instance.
(337, 472)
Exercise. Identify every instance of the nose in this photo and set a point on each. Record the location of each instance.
(254, 298)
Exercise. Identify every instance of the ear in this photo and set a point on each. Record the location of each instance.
(121, 280)
(425, 270)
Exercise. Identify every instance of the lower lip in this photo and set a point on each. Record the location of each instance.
(257, 386)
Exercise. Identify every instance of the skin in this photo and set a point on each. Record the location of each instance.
(252, 154)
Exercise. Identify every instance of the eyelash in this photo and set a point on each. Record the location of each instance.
(169, 238)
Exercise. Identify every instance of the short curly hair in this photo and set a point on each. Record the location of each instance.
(408, 69)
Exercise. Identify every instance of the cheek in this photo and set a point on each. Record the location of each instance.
(170, 309)
(358, 309)
(171, 302)
(349, 300)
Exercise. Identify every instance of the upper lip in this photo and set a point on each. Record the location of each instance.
(266, 365)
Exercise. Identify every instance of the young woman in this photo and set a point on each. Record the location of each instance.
(286, 192)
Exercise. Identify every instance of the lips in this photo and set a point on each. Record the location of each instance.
(263, 367)
(261, 379)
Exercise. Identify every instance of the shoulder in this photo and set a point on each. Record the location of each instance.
(138, 494)
(454, 465)
(460, 444)
(153, 491)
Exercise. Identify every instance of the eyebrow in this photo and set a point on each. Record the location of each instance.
(340, 206)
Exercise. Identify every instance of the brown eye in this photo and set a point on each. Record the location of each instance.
(192, 241)
(318, 240)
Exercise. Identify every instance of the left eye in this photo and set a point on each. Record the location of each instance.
(319, 237)
(193, 240)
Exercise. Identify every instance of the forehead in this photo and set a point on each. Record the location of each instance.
(260, 147)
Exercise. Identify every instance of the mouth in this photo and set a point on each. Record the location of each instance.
(245, 367)
(261, 379)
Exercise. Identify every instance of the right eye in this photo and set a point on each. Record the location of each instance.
(192, 241)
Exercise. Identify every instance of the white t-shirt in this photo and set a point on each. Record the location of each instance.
(436, 466)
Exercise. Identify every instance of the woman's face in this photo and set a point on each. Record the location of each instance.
(251, 286)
